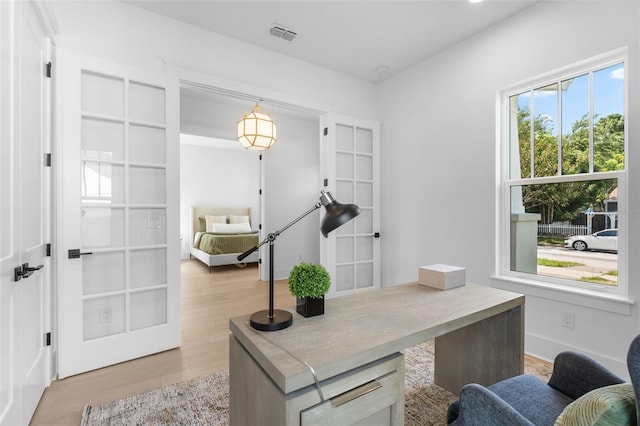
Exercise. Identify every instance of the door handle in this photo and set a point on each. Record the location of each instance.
(27, 268)
(75, 253)
(24, 271)
(19, 273)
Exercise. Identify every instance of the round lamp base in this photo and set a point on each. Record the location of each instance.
(262, 321)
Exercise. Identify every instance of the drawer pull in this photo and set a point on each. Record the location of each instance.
(348, 396)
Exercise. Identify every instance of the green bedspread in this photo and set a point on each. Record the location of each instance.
(213, 243)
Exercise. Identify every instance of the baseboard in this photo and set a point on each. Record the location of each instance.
(547, 349)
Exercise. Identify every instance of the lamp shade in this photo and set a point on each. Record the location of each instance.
(256, 130)
(337, 214)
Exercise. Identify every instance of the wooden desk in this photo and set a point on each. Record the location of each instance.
(479, 338)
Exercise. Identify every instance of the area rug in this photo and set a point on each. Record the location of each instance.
(205, 400)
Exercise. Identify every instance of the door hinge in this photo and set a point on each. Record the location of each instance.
(259, 191)
(326, 182)
(260, 157)
(47, 249)
(47, 160)
(47, 339)
(326, 131)
(260, 226)
(47, 70)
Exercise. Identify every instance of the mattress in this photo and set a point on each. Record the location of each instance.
(215, 243)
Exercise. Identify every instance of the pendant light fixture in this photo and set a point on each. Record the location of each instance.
(256, 130)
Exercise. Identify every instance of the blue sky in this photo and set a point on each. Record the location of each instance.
(608, 95)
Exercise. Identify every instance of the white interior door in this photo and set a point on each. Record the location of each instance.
(24, 228)
(119, 245)
(351, 163)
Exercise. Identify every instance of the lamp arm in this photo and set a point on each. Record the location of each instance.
(272, 236)
(296, 220)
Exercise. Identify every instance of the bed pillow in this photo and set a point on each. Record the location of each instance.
(609, 405)
(231, 228)
(211, 219)
(203, 224)
(238, 219)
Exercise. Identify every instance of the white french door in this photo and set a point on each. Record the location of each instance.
(25, 290)
(118, 246)
(351, 164)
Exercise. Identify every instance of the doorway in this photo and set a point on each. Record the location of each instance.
(288, 173)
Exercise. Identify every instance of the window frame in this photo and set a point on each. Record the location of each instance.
(503, 270)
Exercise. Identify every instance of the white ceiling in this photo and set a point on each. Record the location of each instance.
(354, 37)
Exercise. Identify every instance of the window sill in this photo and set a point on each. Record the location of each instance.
(576, 296)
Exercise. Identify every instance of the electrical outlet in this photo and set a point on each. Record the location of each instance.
(568, 320)
(106, 315)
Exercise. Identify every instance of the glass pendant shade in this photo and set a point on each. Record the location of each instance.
(256, 130)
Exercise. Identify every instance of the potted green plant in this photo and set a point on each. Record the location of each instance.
(309, 282)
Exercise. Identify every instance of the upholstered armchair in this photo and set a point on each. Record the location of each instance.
(579, 391)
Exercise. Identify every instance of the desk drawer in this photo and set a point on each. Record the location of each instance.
(373, 403)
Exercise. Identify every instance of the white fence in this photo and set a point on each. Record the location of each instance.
(561, 229)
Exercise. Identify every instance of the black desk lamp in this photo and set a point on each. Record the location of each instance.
(336, 216)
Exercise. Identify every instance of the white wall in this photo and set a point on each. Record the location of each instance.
(439, 172)
(216, 177)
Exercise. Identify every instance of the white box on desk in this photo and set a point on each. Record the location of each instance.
(441, 276)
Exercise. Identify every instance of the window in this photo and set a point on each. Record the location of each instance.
(563, 178)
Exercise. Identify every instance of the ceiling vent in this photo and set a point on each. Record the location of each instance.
(282, 32)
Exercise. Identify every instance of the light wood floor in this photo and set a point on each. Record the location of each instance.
(208, 301)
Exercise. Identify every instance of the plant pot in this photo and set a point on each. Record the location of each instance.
(310, 306)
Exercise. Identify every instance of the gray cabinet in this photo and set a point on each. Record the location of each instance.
(370, 395)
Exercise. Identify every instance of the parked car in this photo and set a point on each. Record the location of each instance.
(601, 240)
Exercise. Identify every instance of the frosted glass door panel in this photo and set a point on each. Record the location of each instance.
(147, 227)
(102, 139)
(344, 191)
(364, 249)
(102, 227)
(146, 185)
(102, 183)
(364, 222)
(365, 275)
(102, 272)
(344, 138)
(146, 103)
(364, 167)
(344, 249)
(344, 277)
(344, 164)
(364, 194)
(146, 145)
(148, 267)
(364, 140)
(103, 316)
(102, 94)
(148, 308)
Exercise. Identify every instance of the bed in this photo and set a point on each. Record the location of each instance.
(220, 244)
